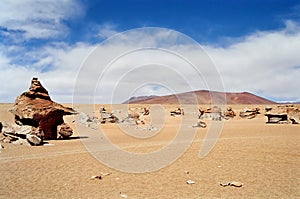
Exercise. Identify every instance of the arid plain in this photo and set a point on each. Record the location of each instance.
(264, 157)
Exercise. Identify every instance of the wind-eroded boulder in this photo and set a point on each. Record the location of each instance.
(35, 108)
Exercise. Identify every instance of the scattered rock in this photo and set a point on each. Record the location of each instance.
(96, 177)
(249, 113)
(190, 182)
(33, 140)
(177, 111)
(229, 113)
(123, 195)
(64, 130)
(268, 108)
(100, 177)
(200, 124)
(236, 184)
(89, 121)
(277, 117)
(108, 117)
(214, 113)
(225, 184)
(35, 108)
(233, 183)
(138, 114)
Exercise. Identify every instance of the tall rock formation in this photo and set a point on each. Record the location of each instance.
(35, 108)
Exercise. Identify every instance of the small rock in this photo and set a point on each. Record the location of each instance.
(100, 176)
(96, 177)
(190, 182)
(200, 124)
(23, 130)
(33, 140)
(236, 184)
(64, 130)
(233, 183)
(225, 184)
(187, 172)
(123, 195)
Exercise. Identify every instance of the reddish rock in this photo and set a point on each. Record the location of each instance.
(35, 108)
(64, 130)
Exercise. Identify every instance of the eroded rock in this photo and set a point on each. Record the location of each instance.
(64, 130)
(35, 108)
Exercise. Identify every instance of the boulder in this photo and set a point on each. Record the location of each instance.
(35, 108)
(214, 113)
(229, 113)
(64, 130)
(249, 113)
(33, 140)
(107, 117)
(1, 126)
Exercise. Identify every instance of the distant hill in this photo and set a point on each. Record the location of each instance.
(203, 97)
(132, 100)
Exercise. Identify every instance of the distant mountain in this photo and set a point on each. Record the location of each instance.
(203, 97)
(132, 100)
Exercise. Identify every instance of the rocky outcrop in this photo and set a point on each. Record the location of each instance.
(214, 113)
(249, 113)
(35, 108)
(229, 113)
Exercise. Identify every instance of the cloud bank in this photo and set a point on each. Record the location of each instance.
(265, 62)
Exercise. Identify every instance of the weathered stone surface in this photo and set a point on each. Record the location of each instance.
(33, 140)
(21, 142)
(178, 111)
(229, 113)
(89, 121)
(64, 130)
(108, 117)
(35, 108)
(249, 113)
(214, 113)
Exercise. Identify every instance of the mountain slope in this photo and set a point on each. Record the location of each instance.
(202, 97)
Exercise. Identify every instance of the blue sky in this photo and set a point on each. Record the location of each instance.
(254, 44)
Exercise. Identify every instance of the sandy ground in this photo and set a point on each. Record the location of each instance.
(264, 157)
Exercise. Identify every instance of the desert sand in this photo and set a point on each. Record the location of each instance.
(264, 157)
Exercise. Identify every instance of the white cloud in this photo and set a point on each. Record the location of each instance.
(264, 63)
(37, 19)
(107, 30)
